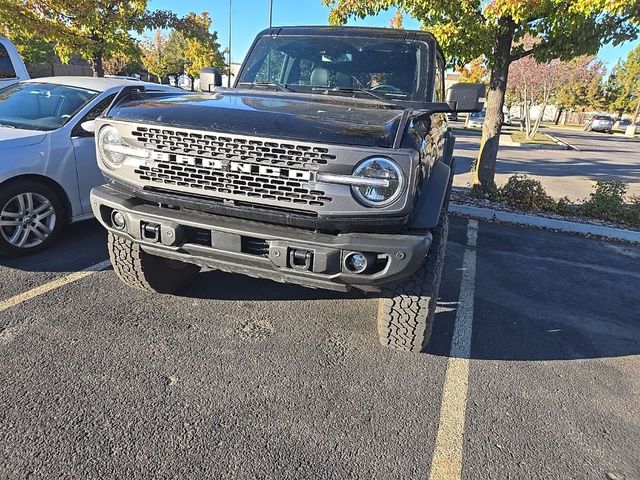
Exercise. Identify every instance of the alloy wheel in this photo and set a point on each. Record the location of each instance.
(27, 220)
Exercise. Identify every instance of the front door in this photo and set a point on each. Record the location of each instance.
(84, 147)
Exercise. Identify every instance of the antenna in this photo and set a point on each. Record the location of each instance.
(229, 75)
(270, 13)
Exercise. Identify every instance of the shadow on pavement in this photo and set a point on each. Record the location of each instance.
(549, 296)
(218, 285)
(538, 295)
(81, 245)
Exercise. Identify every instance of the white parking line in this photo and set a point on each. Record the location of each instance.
(54, 284)
(446, 463)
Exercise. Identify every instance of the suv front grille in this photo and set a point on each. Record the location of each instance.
(262, 151)
(248, 186)
(201, 178)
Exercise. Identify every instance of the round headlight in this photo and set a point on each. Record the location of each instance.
(386, 192)
(109, 141)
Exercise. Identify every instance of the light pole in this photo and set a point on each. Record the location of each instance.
(270, 13)
(229, 74)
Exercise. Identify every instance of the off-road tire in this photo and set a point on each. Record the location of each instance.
(406, 310)
(143, 271)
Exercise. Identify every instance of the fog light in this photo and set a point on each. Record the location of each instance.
(117, 220)
(356, 262)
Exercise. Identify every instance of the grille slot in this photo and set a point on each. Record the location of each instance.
(255, 246)
(198, 236)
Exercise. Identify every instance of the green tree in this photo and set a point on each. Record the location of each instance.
(623, 87)
(95, 29)
(32, 47)
(188, 48)
(160, 56)
(475, 71)
(582, 89)
(201, 45)
(467, 29)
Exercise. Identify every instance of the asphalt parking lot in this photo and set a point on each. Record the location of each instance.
(243, 378)
(570, 173)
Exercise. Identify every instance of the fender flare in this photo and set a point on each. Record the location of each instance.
(432, 198)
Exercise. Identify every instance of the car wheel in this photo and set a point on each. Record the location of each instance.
(406, 310)
(143, 271)
(32, 216)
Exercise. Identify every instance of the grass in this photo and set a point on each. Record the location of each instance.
(539, 138)
(563, 127)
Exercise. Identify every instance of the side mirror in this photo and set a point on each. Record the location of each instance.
(467, 97)
(210, 77)
(89, 126)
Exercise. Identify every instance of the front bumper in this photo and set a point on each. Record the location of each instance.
(258, 249)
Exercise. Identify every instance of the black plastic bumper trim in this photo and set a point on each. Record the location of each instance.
(400, 255)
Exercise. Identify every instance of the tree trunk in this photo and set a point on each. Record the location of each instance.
(536, 126)
(98, 67)
(558, 115)
(484, 168)
(527, 118)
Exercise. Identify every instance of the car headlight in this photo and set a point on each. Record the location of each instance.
(386, 178)
(114, 150)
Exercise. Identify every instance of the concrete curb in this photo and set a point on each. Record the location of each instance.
(567, 144)
(635, 137)
(544, 222)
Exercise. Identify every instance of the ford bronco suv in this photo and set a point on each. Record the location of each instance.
(328, 165)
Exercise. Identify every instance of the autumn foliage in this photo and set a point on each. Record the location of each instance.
(468, 29)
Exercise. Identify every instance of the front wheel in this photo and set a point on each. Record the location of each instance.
(143, 271)
(406, 310)
(32, 216)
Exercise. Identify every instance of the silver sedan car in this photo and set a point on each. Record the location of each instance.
(47, 156)
(599, 123)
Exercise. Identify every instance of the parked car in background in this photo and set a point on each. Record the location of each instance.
(599, 123)
(475, 120)
(47, 156)
(506, 118)
(12, 69)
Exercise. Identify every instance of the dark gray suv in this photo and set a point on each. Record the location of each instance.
(328, 165)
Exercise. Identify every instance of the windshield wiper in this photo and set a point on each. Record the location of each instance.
(351, 90)
(281, 86)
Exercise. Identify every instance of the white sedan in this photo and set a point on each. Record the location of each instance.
(47, 155)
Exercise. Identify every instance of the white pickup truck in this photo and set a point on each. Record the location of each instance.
(12, 68)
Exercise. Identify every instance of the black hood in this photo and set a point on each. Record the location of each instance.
(305, 117)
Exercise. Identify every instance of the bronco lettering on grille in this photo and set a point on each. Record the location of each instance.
(231, 166)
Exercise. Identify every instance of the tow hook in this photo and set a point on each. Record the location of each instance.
(301, 259)
(150, 232)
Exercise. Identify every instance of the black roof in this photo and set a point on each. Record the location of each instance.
(377, 32)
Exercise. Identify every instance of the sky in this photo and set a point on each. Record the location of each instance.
(252, 16)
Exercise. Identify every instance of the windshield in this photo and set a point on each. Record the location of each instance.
(41, 106)
(384, 68)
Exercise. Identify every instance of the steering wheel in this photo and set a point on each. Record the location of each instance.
(387, 88)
